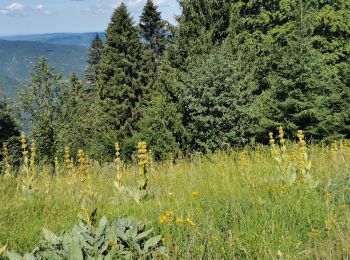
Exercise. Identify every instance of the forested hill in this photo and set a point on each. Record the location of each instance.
(80, 39)
(17, 59)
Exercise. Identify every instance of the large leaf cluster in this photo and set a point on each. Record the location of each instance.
(124, 238)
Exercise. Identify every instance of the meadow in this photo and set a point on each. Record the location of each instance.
(283, 201)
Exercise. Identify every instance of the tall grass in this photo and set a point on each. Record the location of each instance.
(261, 202)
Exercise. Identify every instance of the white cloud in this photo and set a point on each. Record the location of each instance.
(160, 2)
(114, 6)
(12, 9)
(135, 3)
(15, 7)
(98, 9)
(41, 9)
(19, 9)
(141, 3)
(132, 4)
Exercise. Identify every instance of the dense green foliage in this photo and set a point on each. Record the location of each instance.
(9, 130)
(76, 129)
(8, 125)
(231, 72)
(153, 29)
(306, 45)
(40, 104)
(216, 96)
(226, 74)
(125, 77)
(94, 56)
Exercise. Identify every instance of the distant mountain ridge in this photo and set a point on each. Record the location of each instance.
(80, 39)
(17, 59)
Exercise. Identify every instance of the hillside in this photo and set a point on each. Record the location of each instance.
(80, 39)
(17, 59)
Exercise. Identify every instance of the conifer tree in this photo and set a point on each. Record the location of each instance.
(125, 75)
(40, 101)
(202, 25)
(308, 62)
(94, 57)
(153, 29)
(72, 115)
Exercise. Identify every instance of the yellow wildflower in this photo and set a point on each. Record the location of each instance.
(162, 219)
(179, 220)
(191, 222)
(195, 193)
(112, 243)
(170, 214)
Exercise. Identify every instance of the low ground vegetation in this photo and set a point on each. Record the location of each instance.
(285, 200)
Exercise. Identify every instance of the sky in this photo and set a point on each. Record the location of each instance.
(22, 17)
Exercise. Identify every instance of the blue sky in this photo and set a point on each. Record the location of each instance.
(48, 16)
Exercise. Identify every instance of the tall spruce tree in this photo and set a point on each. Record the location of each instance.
(153, 28)
(125, 75)
(40, 103)
(93, 60)
(202, 25)
(70, 132)
(308, 68)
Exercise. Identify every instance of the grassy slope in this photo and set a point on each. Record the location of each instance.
(242, 209)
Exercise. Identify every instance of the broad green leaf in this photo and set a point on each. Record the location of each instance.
(13, 256)
(51, 237)
(75, 252)
(144, 234)
(152, 242)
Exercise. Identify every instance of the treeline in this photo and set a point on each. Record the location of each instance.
(228, 73)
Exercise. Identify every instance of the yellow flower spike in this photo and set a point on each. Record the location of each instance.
(118, 166)
(143, 158)
(117, 151)
(25, 153)
(83, 165)
(281, 135)
(7, 165)
(57, 166)
(272, 140)
(68, 159)
(32, 156)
